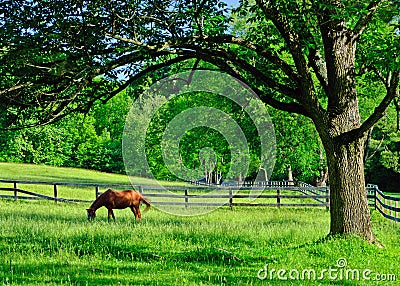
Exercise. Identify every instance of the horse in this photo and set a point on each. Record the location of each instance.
(118, 200)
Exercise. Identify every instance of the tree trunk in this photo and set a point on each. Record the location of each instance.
(367, 147)
(322, 181)
(290, 176)
(349, 208)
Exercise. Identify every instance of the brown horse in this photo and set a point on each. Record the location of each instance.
(118, 200)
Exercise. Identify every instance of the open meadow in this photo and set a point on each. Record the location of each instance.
(47, 243)
(43, 243)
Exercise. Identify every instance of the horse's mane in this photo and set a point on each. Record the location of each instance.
(99, 199)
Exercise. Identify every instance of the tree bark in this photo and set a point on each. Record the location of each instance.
(322, 181)
(349, 208)
(290, 176)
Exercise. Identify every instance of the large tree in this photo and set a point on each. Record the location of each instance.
(302, 57)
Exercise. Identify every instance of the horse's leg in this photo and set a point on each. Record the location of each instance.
(111, 213)
(139, 215)
(113, 216)
(133, 209)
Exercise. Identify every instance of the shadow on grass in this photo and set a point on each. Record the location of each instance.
(46, 218)
(328, 239)
(82, 273)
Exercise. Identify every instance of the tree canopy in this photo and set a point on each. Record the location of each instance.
(55, 54)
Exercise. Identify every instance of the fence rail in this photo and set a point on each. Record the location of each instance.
(273, 194)
(388, 206)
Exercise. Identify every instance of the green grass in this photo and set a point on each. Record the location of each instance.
(396, 195)
(43, 173)
(42, 243)
(47, 243)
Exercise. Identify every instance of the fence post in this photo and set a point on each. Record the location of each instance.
(55, 193)
(97, 190)
(327, 201)
(140, 189)
(186, 198)
(375, 199)
(15, 191)
(397, 213)
(278, 197)
(231, 199)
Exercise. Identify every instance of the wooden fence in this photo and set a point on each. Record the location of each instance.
(388, 206)
(272, 194)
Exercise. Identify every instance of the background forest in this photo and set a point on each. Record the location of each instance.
(93, 141)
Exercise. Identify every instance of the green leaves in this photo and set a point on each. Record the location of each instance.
(298, 146)
(380, 45)
(215, 25)
(196, 144)
(54, 51)
(92, 141)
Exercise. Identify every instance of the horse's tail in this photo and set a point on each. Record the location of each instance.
(146, 202)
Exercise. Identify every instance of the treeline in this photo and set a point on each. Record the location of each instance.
(93, 141)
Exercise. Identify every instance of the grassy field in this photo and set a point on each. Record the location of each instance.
(42, 243)
(16, 171)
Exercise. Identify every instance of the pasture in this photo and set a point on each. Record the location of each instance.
(43, 243)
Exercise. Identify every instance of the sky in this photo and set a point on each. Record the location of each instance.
(232, 2)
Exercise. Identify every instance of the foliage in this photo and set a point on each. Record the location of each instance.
(91, 141)
(298, 147)
(382, 162)
(87, 52)
(70, 49)
(201, 138)
(94, 141)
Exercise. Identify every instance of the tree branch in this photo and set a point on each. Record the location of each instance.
(281, 88)
(16, 87)
(284, 66)
(307, 95)
(392, 92)
(364, 20)
(318, 64)
(196, 18)
(292, 107)
(147, 70)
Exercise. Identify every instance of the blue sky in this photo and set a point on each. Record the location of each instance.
(232, 2)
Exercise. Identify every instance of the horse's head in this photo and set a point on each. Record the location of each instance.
(91, 214)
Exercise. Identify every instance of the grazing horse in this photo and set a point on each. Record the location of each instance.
(118, 200)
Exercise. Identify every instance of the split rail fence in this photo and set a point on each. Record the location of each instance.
(270, 194)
